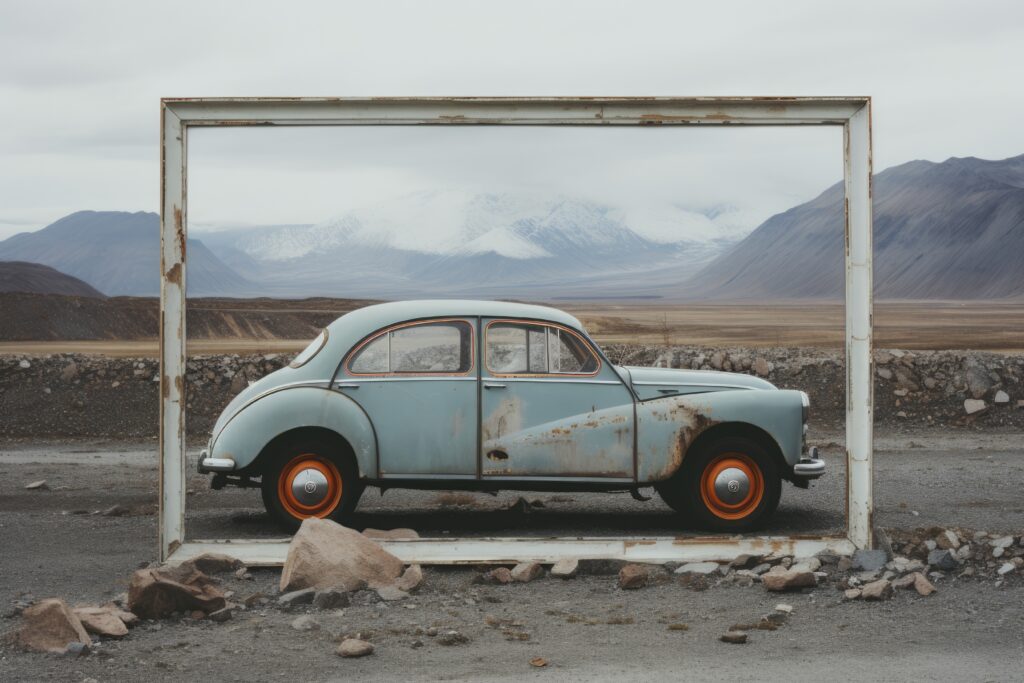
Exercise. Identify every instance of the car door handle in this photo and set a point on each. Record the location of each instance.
(348, 386)
(492, 385)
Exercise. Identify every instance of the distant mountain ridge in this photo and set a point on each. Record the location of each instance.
(35, 278)
(949, 230)
(118, 253)
(465, 243)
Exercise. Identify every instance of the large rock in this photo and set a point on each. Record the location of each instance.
(103, 621)
(324, 554)
(524, 572)
(788, 580)
(157, 593)
(49, 626)
(411, 578)
(565, 568)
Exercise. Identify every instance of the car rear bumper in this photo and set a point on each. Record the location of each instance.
(810, 466)
(208, 464)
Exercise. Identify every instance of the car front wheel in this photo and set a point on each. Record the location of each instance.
(306, 479)
(732, 484)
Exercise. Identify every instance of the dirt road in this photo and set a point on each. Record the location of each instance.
(52, 544)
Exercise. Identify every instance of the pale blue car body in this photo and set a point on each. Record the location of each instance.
(620, 427)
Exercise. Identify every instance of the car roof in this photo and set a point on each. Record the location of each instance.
(372, 318)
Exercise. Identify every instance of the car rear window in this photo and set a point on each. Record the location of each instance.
(444, 347)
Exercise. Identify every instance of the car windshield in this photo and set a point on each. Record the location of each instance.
(307, 353)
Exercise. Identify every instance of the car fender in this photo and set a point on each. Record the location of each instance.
(258, 422)
(666, 427)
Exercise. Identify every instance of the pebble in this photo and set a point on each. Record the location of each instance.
(354, 647)
(733, 637)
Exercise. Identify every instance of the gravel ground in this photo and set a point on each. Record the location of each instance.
(51, 544)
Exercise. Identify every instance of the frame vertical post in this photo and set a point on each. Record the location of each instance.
(172, 333)
(859, 366)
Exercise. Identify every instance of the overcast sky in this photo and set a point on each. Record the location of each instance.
(80, 85)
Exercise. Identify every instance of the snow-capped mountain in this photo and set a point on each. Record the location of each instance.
(457, 242)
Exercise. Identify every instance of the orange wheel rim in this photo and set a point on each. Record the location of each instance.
(309, 486)
(732, 486)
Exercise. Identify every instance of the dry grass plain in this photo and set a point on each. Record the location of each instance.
(989, 326)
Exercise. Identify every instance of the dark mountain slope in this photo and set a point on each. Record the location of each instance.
(35, 278)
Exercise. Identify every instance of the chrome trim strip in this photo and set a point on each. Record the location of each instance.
(560, 380)
(216, 465)
(596, 480)
(442, 477)
(692, 384)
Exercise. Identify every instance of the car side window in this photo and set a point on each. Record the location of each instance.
(442, 347)
(526, 348)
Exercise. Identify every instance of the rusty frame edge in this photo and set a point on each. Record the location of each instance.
(853, 113)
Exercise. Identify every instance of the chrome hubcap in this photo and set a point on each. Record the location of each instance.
(732, 486)
(310, 487)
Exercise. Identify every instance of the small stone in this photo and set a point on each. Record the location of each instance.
(851, 593)
(103, 621)
(922, 585)
(761, 367)
(296, 598)
(330, 598)
(784, 608)
(244, 574)
(809, 564)
(942, 560)
(633, 576)
(869, 560)
(498, 575)
(77, 649)
(974, 405)
(538, 662)
(745, 561)
(904, 582)
(947, 540)
(698, 568)
(353, 647)
(788, 579)
(1001, 542)
(1006, 568)
(877, 590)
(216, 563)
(115, 511)
(305, 623)
(524, 572)
(884, 373)
(452, 638)
(411, 578)
(565, 568)
(48, 626)
(40, 485)
(733, 637)
(222, 615)
(1001, 397)
(998, 552)
(762, 568)
(24, 364)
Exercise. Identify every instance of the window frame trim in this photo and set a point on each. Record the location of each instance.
(373, 336)
(542, 323)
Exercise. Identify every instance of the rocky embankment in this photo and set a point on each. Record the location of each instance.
(95, 396)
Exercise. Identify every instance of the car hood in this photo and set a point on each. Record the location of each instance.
(697, 378)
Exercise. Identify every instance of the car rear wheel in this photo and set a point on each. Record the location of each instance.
(309, 479)
(732, 484)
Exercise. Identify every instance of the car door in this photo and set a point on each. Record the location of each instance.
(550, 408)
(418, 384)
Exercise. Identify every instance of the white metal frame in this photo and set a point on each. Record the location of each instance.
(852, 113)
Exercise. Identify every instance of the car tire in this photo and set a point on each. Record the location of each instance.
(731, 484)
(309, 478)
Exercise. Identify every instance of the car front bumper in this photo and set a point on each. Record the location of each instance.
(208, 464)
(810, 466)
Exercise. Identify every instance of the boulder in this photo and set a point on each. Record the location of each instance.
(353, 647)
(788, 579)
(157, 593)
(565, 568)
(524, 572)
(49, 626)
(324, 554)
(103, 621)
(876, 590)
(633, 576)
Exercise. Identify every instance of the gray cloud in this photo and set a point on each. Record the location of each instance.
(80, 84)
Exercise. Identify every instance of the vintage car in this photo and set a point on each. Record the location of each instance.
(486, 395)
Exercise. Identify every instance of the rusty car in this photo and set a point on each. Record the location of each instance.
(488, 396)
